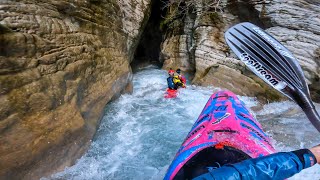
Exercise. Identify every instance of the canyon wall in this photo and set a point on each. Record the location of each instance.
(197, 44)
(60, 63)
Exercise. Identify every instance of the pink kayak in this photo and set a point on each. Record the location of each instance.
(171, 93)
(225, 132)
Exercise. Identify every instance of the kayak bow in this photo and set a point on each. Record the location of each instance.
(224, 125)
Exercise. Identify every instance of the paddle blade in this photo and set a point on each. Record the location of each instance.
(273, 63)
(267, 58)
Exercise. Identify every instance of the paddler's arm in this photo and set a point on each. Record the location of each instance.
(316, 152)
(280, 165)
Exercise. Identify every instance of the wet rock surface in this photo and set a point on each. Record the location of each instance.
(60, 63)
(293, 23)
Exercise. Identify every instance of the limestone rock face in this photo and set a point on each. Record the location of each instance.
(202, 48)
(175, 54)
(294, 23)
(60, 63)
(297, 25)
(178, 50)
(217, 66)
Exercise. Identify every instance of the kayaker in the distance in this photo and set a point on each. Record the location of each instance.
(173, 81)
(170, 82)
(181, 77)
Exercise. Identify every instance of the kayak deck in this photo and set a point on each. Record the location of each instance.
(171, 93)
(223, 123)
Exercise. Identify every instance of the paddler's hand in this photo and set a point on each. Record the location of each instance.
(316, 152)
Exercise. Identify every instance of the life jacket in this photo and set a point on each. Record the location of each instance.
(171, 84)
(177, 81)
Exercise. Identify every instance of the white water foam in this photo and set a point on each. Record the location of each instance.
(140, 133)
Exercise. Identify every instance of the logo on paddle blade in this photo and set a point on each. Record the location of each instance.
(261, 71)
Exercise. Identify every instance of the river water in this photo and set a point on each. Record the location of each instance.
(140, 133)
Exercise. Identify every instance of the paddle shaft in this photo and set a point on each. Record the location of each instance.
(312, 114)
(304, 101)
(314, 117)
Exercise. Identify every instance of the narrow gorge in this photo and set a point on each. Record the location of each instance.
(61, 62)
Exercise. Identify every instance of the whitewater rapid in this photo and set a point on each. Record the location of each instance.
(140, 133)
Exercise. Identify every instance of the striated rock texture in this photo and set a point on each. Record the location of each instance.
(297, 25)
(199, 45)
(60, 63)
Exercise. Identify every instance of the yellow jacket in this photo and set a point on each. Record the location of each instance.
(176, 80)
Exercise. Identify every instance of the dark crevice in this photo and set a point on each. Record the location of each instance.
(246, 12)
(148, 49)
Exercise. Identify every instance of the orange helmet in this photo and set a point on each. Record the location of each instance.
(171, 72)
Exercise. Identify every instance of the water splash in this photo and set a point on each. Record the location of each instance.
(140, 133)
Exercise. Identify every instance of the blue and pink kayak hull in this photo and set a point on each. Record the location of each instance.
(224, 121)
